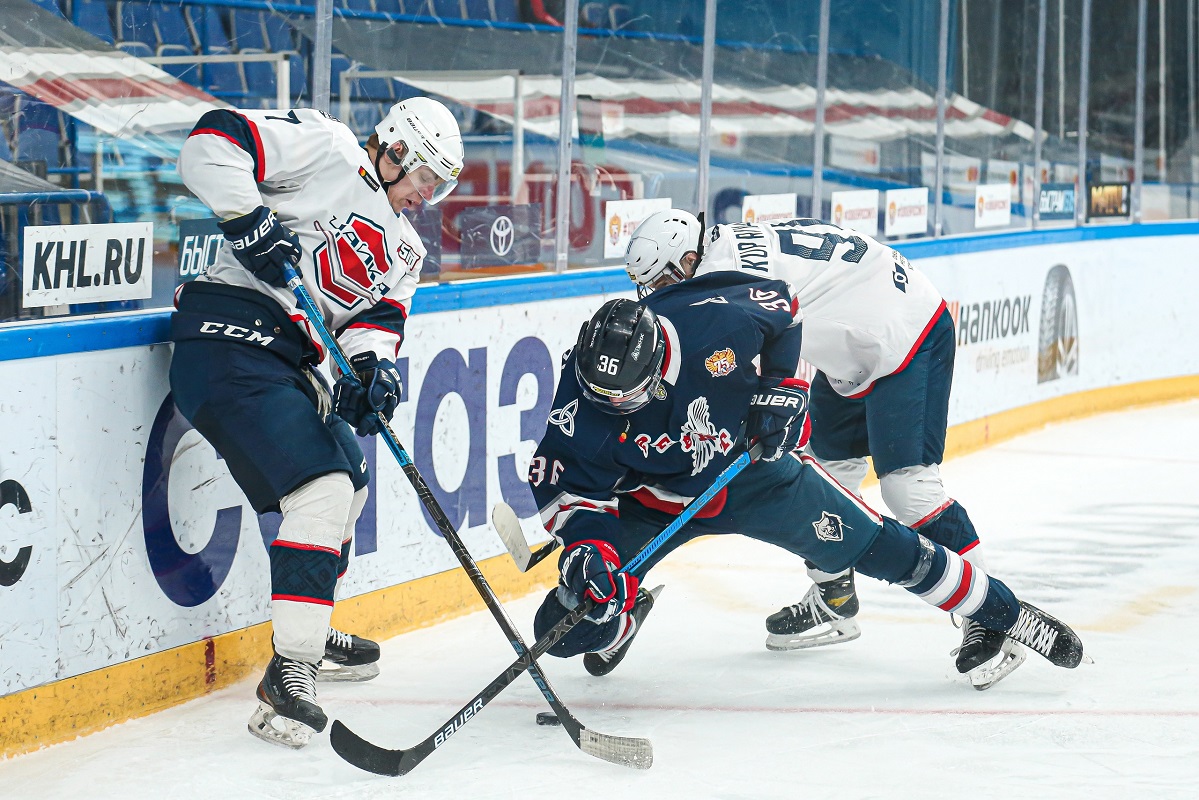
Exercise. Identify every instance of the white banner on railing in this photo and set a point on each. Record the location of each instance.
(992, 205)
(87, 263)
(857, 210)
(768, 207)
(622, 218)
(907, 211)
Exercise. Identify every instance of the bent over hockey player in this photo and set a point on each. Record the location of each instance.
(294, 187)
(650, 409)
(883, 344)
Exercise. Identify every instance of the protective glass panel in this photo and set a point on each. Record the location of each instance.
(1171, 160)
(990, 115)
(1059, 198)
(637, 84)
(764, 102)
(1111, 112)
(880, 115)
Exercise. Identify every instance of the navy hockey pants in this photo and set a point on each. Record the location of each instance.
(790, 503)
(901, 421)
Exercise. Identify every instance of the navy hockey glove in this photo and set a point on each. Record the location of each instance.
(378, 388)
(262, 245)
(778, 416)
(589, 570)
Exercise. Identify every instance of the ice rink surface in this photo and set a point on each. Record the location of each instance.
(1096, 521)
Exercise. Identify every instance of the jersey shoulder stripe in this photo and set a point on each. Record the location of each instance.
(237, 129)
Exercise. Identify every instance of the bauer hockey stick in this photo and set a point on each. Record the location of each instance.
(397, 762)
(626, 751)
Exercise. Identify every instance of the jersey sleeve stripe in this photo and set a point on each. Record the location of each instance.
(556, 513)
(259, 157)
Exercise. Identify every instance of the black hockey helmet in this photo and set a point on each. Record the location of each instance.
(619, 357)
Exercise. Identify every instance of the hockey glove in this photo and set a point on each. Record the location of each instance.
(778, 416)
(589, 570)
(262, 245)
(377, 389)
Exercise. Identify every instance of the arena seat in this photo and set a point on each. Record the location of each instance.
(92, 16)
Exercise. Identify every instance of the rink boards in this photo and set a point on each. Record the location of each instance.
(134, 575)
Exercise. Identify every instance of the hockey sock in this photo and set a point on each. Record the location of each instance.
(305, 561)
(951, 527)
(939, 576)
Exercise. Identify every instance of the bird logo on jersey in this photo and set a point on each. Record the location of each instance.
(721, 363)
(351, 260)
(829, 528)
(698, 437)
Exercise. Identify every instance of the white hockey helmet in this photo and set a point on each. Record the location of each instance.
(433, 140)
(659, 244)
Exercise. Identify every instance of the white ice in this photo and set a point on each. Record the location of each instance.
(1097, 521)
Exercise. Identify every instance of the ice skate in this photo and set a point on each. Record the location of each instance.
(985, 656)
(287, 712)
(604, 661)
(348, 658)
(1050, 637)
(823, 617)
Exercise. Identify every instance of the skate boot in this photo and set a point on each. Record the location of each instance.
(1048, 636)
(287, 712)
(348, 658)
(986, 656)
(604, 661)
(824, 616)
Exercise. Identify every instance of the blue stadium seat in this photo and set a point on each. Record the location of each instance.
(171, 27)
(505, 11)
(478, 10)
(137, 24)
(39, 132)
(446, 9)
(594, 15)
(136, 49)
(92, 16)
(246, 30)
(619, 16)
(185, 72)
(337, 65)
(49, 5)
(279, 34)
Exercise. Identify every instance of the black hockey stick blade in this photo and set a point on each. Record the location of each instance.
(364, 755)
(623, 750)
(507, 525)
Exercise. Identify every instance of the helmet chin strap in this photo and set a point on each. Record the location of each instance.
(393, 158)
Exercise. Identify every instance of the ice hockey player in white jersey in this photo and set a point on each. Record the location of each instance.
(883, 344)
(295, 187)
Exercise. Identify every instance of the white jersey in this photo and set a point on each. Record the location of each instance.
(361, 261)
(865, 308)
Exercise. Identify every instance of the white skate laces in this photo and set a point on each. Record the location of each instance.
(1035, 632)
(339, 639)
(299, 679)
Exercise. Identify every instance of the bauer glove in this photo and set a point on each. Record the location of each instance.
(377, 389)
(262, 245)
(778, 417)
(589, 570)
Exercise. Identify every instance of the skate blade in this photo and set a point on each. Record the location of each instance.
(335, 673)
(270, 727)
(984, 676)
(845, 630)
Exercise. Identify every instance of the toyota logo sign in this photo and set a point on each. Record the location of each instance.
(501, 236)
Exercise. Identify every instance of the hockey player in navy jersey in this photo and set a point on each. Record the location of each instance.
(655, 400)
(294, 187)
(883, 344)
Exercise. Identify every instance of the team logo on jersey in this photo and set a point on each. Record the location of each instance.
(829, 528)
(564, 417)
(698, 437)
(351, 260)
(721, 363)
(370, 181)
(718, 299)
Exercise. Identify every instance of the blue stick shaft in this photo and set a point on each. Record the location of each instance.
(694, 507)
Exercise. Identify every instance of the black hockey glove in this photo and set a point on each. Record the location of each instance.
(262, 244)
(778, 416)
(589, 570)
(377, 389)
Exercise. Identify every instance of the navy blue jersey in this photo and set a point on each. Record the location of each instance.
(670, 450)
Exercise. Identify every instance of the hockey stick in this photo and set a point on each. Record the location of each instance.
(397, 762)
(507, 525)
(627, 751)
